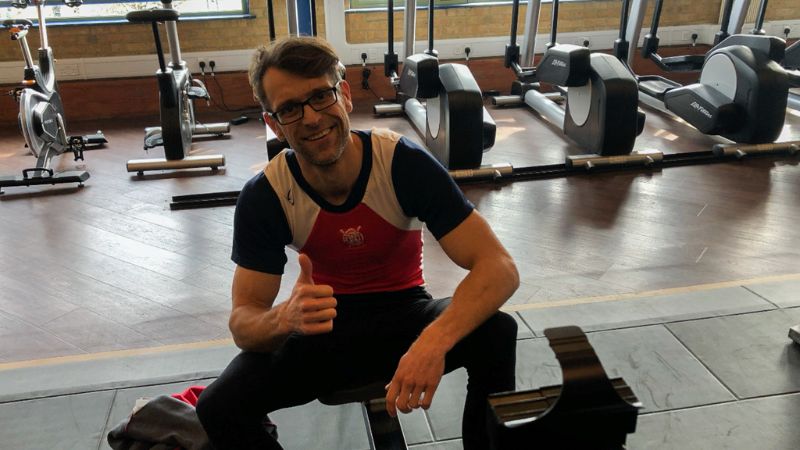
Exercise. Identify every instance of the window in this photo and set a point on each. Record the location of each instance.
(364, 4)
(381, 4)
(114, 11)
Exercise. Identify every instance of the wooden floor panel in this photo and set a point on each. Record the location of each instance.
(109, 266)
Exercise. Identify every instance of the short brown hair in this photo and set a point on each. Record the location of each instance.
(305, 56)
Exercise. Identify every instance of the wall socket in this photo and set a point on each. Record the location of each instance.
(208, 65)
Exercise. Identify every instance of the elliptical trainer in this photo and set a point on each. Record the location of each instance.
(791, 58)
(177, 90)
(41, 113)
(456, 127)
(742, 91)
(601, 113)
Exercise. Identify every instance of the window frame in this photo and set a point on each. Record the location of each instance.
(244, 13)
(380, 5)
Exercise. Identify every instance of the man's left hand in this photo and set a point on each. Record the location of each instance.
(415, 381)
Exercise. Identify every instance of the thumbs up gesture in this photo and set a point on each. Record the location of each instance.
(311, 307)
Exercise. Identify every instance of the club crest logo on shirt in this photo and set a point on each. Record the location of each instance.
(352, 237)
(290, 197)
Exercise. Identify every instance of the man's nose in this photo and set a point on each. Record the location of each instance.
(310, 115)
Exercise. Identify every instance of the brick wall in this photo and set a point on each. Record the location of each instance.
(91, 100)
(483, 21)
(782, 9)
(138, 96)
(93, 41)
(126, 39)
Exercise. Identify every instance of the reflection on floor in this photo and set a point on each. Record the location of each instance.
(712, 366)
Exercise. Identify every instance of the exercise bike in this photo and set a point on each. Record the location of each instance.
(41, 113)
(601, 113)
(177, 91)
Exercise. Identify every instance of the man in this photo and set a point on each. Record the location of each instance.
(351, 203)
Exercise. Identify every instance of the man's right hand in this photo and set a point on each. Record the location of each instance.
(311, 307)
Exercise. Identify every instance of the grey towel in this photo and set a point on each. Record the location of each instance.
(163, 423)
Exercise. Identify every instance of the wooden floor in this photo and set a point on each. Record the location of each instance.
(108, 266)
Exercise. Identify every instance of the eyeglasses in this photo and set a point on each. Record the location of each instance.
(318, 101)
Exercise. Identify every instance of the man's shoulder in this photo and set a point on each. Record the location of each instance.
(257, 189)
(382, 142)
(255, 184)
(278, 173)
(388, 144)
(384, 134)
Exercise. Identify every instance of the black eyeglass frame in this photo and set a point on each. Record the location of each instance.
(335, 89)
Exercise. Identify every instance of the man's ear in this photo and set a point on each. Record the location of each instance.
(344, 87)
(274, 126)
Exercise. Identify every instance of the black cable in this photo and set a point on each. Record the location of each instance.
(224, 106)
(365, 73)
(375, 93)
(212, 99)
(221, 92)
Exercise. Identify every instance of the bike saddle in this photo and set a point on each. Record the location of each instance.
(73, 3)
(152, 15)
(14, 22)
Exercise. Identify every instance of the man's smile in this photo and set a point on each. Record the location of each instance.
(320, 135)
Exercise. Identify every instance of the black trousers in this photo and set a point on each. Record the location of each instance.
(369, 336)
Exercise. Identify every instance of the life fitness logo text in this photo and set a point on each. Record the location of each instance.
(352, 237)
(702, 110)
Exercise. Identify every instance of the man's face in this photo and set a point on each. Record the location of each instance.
(319, 137)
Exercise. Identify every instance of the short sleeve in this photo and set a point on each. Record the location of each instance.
(425, 190)
(260, 229)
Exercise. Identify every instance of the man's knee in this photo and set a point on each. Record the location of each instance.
(208, 406)
(219, 404)
(501, 327)
(495, 340)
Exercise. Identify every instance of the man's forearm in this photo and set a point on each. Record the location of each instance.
(479, 295)
(257, 329)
